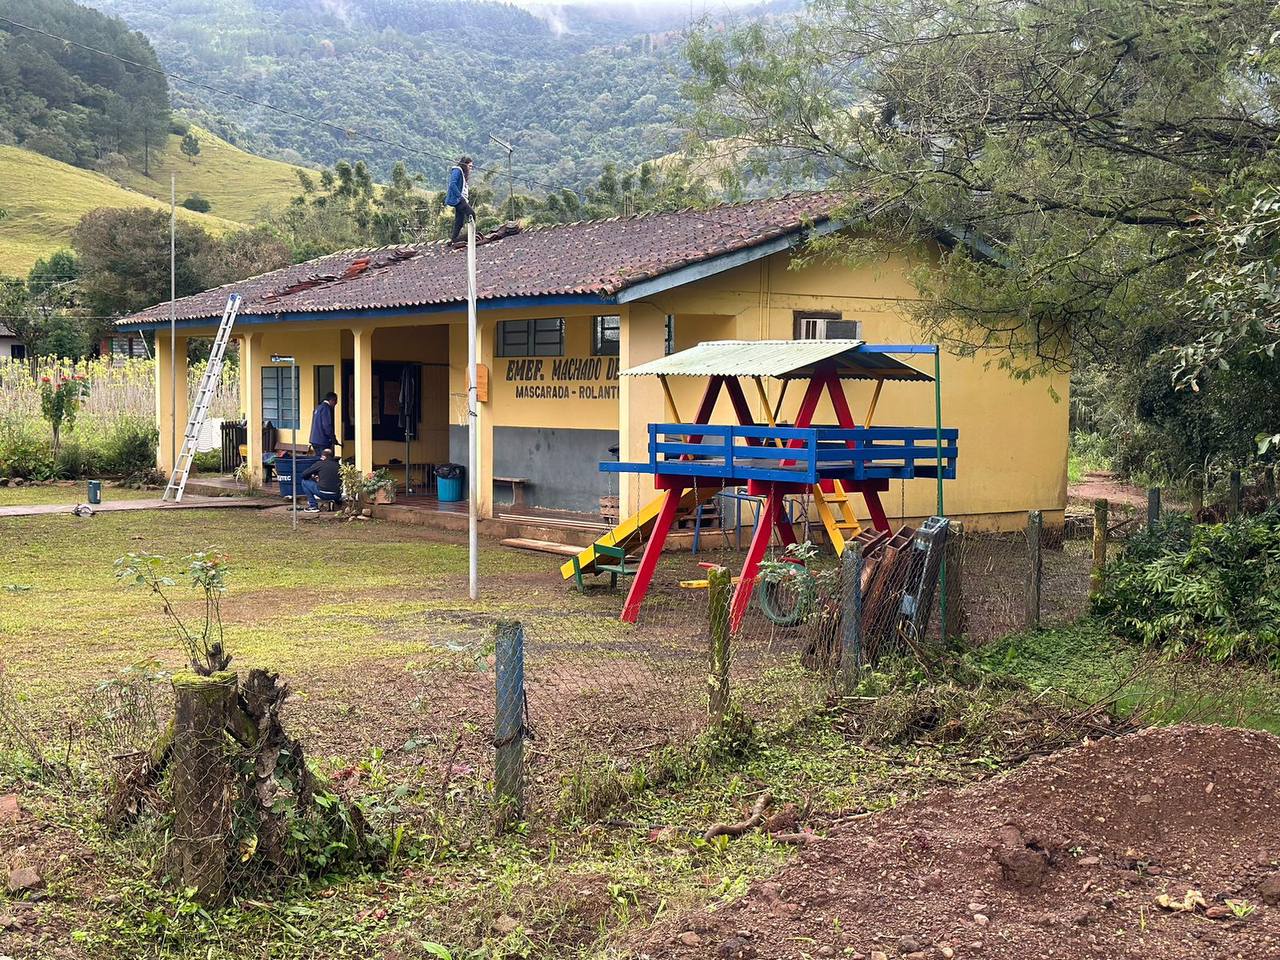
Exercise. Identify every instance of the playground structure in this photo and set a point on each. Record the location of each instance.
(692, 462)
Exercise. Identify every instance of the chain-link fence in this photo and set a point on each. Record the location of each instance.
(559, 706)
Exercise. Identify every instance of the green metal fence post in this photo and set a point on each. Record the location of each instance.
(508, 731)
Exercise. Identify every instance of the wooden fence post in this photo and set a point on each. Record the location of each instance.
(1153, 506)
(508, 730)
(719, 590)
(1100, 511)
(201, 772)
(1197, 497)
(954, 622)
(851, 615)
(1035, 567)
(1233, 495)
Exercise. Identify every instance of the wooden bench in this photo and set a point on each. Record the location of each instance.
(518, 485)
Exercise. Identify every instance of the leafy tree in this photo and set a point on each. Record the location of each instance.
(190, 146)
(37, 310)
(1069, 155)
(567, 101)
(124, 258)
(69, 102)
(197, 203)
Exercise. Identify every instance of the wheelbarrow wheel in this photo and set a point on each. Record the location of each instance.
(787, 601)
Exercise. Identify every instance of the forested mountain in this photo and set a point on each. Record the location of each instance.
(437, 75)
(70, 103)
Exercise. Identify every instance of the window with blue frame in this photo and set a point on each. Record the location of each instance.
(280, 397)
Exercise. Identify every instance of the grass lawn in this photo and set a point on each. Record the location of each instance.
(69, 493)
(371, 625)
(353, 614)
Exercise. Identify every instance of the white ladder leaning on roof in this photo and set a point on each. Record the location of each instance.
(204, 396)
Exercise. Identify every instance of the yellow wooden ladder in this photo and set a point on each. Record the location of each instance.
(842, 526)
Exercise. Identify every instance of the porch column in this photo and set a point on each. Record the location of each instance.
(640, 399)
(486, 333)
(166, 453)
(251, 357)
(362, 397)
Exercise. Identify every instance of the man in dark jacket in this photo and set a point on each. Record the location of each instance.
(323, 436)
(322, 481)
(456, 196)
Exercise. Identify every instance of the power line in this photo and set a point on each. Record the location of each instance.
(349, 132)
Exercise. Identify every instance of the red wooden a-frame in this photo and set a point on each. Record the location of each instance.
(773, 516)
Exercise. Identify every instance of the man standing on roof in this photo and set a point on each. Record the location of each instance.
(459, 181)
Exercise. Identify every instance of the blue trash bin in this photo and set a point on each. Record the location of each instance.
(95, 491)
(451, 481)
(284, 473)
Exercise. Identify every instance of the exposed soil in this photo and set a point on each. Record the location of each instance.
(1064, 858)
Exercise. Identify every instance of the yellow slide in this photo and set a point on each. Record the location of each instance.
(637, 525)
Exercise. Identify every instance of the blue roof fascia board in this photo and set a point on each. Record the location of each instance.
(928, 348)
(498, 303)
(708, 268)
(967, 238)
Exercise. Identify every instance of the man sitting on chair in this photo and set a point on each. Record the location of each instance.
(322, 481)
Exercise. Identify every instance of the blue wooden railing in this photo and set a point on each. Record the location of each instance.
(795, 454)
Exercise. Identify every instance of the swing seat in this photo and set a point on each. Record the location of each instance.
(619, 564)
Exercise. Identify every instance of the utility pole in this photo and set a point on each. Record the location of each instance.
(473, 434)
(173, 325)
(511, 190)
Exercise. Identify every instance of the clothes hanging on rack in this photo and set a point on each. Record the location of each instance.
(410, 374)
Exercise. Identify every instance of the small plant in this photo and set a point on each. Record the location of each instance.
(61, 397)
(205, 571)
(244, 478)
(379, 482)
(1241, 909)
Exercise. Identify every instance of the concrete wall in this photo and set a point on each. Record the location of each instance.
(552, 459)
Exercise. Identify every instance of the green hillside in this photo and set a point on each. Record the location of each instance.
(43, 200)
(240, 185)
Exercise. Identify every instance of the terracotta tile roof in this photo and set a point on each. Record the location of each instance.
(597, 258)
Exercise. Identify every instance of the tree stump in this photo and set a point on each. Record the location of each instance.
(202, 782)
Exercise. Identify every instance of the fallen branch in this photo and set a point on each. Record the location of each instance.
(738, 829)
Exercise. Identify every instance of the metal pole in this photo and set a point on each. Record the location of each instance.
(473, 436)
(937, 414)
(173, 325)
(943, 613)
(297, 415)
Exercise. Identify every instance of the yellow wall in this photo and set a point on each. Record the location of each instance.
(1013, 435)
(576, 390)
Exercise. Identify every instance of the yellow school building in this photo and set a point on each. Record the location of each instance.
(562, 310)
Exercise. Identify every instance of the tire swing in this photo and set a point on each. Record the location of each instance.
(788, 600)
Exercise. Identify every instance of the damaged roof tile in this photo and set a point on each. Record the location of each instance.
(599, 258)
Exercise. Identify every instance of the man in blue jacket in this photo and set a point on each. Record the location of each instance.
(323, 436)
(456, 197)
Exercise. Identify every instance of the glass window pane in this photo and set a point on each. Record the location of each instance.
(606, 336)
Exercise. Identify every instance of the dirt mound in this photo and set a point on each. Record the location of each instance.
(1162, 844)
